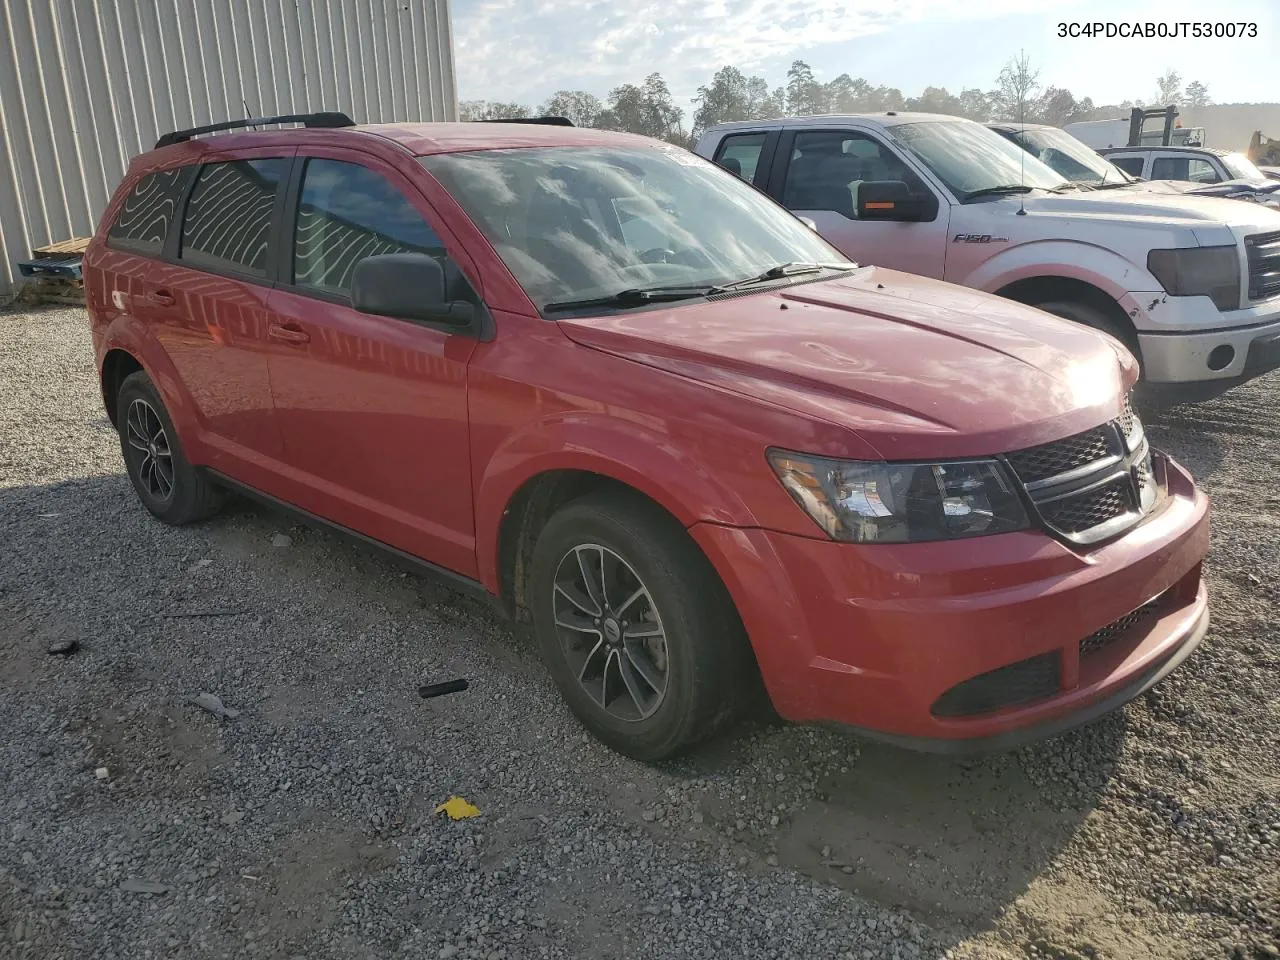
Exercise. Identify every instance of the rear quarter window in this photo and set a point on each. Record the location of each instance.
(147, 214)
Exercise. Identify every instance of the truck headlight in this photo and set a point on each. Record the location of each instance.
(1212, 272)
(866, 502)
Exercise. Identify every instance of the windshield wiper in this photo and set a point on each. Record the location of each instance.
(634, 297)
(997, 191)
(790, 269)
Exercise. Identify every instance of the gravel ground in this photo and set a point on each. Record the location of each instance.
(137, 824)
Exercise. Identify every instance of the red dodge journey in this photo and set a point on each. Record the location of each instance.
(655, 416)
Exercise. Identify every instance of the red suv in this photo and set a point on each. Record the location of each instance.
(657, 417)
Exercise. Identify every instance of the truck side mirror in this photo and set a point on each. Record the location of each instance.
(893, 200)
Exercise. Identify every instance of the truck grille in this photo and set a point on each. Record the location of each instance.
(1093, 485)
(1263, 250)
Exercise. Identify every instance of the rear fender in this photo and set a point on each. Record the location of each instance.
(126, 332)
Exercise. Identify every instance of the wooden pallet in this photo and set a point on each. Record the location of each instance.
(74, 246)
(53, 289)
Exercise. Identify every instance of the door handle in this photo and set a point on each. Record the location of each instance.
(288, 333)
(162, 297)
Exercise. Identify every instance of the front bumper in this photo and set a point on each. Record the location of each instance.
(1192, 345)
(871, 637)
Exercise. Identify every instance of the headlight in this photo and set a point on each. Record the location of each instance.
(1212, 272)
(901, 502)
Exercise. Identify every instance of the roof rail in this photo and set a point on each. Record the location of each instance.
(549, 121)
(328, 120)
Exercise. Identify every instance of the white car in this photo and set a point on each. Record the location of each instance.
(1202, 165)
(1190, 284)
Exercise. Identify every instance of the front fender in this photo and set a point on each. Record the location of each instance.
(1073, 260)
(637, 454)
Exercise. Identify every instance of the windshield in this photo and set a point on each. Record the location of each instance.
(969, 158)
(1241, 167)
(582, 222)
(1071, 158)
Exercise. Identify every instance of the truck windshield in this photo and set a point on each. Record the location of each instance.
(576, 223)
(1241, 167)
(1071, 158)
(972, 160)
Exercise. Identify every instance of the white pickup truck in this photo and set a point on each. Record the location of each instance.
(1191, 285)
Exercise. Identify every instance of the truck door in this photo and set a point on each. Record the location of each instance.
(818, 173)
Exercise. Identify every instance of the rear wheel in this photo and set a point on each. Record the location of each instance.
(166, 483)
(636, 629)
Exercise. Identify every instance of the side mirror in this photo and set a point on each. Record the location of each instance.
(891, 200)
(408, 286)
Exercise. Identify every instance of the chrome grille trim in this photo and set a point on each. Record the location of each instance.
(1263, 253)
(1093, 485)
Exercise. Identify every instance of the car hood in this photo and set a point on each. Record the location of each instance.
(1262, 191)
(916, 368)
(1164, 205)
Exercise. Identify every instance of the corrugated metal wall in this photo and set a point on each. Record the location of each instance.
(87, 84)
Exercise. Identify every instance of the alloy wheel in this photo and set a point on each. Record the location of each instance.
(610, 632)
(151, 457)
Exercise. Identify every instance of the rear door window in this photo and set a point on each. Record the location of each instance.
(346, 213)
(227, 226)
(148, 212)
(740, 154)
(1130, 165)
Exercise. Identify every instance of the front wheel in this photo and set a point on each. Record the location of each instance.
(1090, 316)
(637, 630)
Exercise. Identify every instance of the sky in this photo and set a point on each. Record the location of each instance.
(519, 50)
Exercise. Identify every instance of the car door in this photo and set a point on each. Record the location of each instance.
(373, 410)
(207, 305)
(817, 174)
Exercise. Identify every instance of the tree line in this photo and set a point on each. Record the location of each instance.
(648, 108)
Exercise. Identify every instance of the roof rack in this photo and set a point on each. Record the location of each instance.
(329, 120)
(549, 121)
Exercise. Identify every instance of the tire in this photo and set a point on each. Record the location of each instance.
(1092, 317)
(703, 663)
(179, 494)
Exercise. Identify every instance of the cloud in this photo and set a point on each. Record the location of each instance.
(516, 50)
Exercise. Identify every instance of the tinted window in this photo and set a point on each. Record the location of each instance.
(346, 213)
(148, 211)
(228, 220)
(826, 169)
(740, 154)
(1183, 168)
(1130, 165)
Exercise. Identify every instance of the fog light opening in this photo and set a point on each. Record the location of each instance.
(1221, 356)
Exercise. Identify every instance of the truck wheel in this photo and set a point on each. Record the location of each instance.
(1092, 317)
(166, 483)
(637, 630)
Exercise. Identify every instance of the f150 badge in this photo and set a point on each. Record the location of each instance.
(978, 238)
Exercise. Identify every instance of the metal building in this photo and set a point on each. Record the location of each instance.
(87, 84)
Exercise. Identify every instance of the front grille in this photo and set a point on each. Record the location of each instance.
(1263, 250)
(1061, 456)
(1128, 419)
(1077, 514)
(1006, 686)
(1118, 628)
(1085, 486)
